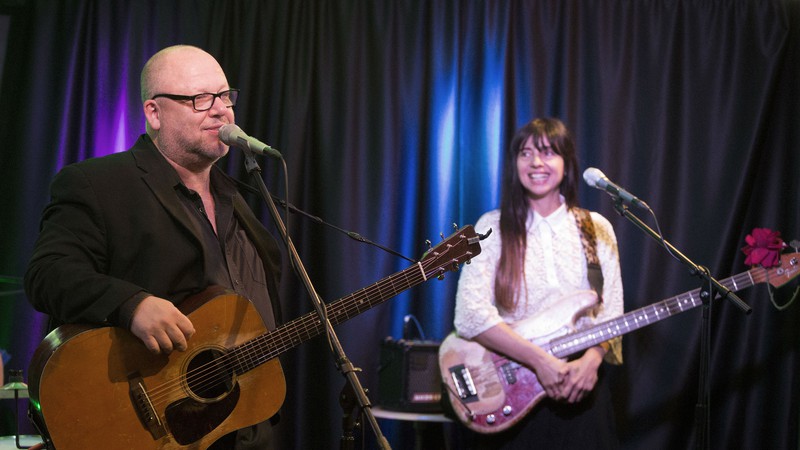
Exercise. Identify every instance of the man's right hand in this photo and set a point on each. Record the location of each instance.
(161, 326)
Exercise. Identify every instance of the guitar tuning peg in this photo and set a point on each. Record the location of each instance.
(455, 226)
(428, 243)
(795, 244)
(441, 235)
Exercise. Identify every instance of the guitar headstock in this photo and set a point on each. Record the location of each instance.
(460, 247)
(781, 274)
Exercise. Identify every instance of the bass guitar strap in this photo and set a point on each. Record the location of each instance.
(589, 241)
(594, 272)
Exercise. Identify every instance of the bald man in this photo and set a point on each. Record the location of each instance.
(126, 238)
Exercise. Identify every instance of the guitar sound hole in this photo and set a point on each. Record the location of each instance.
(210, 375)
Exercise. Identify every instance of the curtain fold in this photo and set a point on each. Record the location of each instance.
(392, 117)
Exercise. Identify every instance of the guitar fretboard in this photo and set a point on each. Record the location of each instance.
(447, 255)
(263, 348)
(572, 343)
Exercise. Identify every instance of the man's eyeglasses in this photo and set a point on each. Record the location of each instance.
(204, 101)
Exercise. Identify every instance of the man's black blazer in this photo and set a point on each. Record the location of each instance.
(115, 227)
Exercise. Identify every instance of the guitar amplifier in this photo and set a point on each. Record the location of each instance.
(408, 376)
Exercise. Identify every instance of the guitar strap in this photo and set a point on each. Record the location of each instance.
(589, 241)
(595, 274)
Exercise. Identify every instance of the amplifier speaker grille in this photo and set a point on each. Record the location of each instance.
(408, 377)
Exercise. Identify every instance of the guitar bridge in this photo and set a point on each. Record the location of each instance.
(144, 408)
(465, 386)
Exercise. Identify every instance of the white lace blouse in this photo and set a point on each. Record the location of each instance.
(555, 265)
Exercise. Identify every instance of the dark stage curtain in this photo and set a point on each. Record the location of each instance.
(391, 116)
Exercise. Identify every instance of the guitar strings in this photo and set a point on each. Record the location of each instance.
(251, 354)
(566, 345)
(247, 349)
(309, 326)
(563, 346)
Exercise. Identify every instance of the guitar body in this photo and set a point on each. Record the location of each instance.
(84, 385)
(490, 393)
(101, 388)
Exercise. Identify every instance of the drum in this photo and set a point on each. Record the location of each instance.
(10, 442)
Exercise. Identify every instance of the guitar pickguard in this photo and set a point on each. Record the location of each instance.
(189, 419)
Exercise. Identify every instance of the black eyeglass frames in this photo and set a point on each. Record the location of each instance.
(204, 101)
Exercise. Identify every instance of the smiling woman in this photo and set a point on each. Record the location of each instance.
(541, 171)
(392, 117)
(547, 251)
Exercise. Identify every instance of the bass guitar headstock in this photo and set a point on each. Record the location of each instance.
(777, 276)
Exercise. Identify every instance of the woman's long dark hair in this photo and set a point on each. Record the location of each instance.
(514, 203)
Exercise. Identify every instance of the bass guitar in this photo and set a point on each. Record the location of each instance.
(100, 387)
(490, 393)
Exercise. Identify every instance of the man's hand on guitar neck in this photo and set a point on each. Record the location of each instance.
(161, 326)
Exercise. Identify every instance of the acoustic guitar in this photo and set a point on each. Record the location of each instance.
(99, 387)
(490, 393)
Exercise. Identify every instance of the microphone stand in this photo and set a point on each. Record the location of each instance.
(343, 364)
(710, 285)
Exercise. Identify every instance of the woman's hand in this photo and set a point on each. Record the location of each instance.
(581, 377)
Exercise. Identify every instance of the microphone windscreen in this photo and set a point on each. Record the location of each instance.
(592, 176)
(228, 132)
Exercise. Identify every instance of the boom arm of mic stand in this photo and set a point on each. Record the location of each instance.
(342, 362)
(695, 269)
(702, 417)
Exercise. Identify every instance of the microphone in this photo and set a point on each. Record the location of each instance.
(597, 179)
(231, 134)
